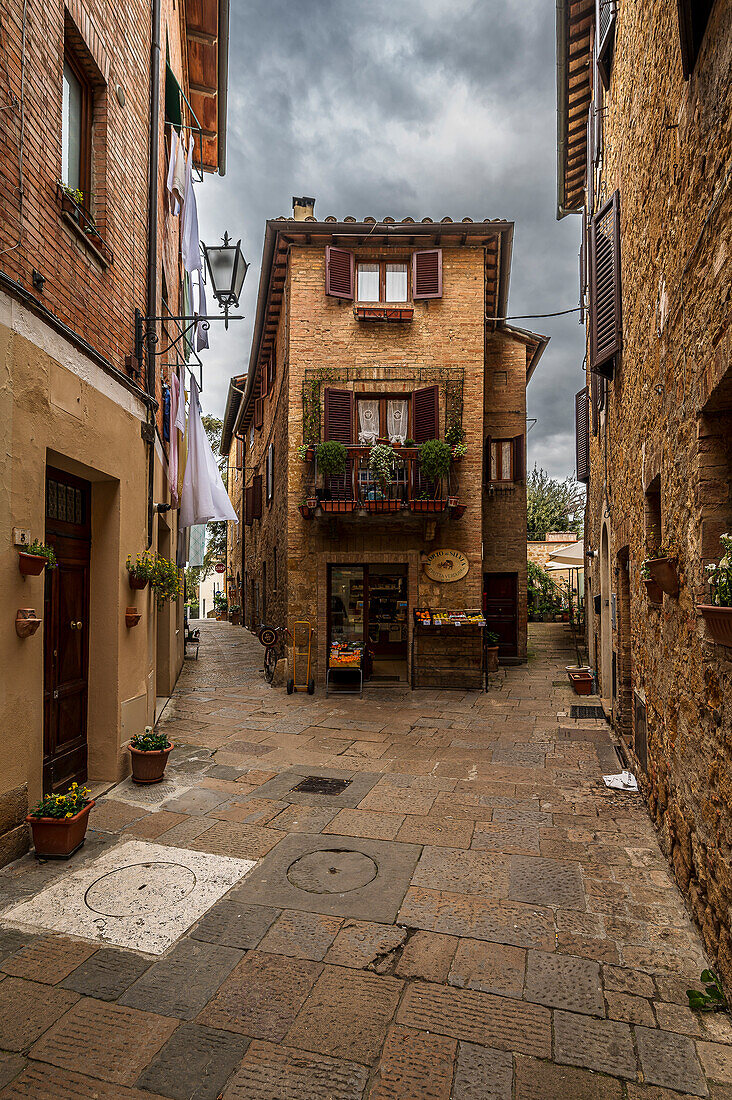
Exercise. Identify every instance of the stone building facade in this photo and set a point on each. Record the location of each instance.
(352, 335)
(645, 137)
(89, 91)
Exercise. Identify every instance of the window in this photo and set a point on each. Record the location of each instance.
(257, 497)
(693, 19)
(270, 473)
(259, 412)
(606, 15)
(501, 460)
(382, 281)
(606, 329)
(76, 116)
(582, 434)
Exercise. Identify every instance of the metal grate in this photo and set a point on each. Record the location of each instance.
(315, 784)
(586, 712)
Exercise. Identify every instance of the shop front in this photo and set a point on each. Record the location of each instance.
(368, 620)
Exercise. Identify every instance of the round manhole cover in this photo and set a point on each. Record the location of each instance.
(334, 871)
(140, 889)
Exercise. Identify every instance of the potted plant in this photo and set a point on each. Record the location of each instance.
(235, 614)
(305, 509)
(653, 589)
(718, 612)
(581, 679)
(59, 822)
(71, 199)
(165, 579)
(662, 567)
(140, 570)
(307, 452)
(34, 559)
(221, 605)
(332, 458)
(149, 752)
(491, 651)
(383, 462)
(455, 438)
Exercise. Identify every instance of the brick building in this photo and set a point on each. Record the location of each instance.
(384, 330)
(645, 137)
(90, 91)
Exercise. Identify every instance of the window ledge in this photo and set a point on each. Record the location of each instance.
(384, 313)
(73, 215)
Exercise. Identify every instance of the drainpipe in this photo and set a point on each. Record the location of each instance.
(152, 242)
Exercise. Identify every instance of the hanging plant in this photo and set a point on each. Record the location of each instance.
(434, 459)
(719, 575)
(383, 462)
(455, 434)
(332, 458)
(166, 579)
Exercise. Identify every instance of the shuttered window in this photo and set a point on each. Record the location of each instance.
(693, 19)
(339, 415)
(239, 454)
(519, 461)
(427, 274)
(257, 497)
(270, 472)
(606, 17)
(582, 433)
(606, 331)
(258, 412)
(425, 414)
(248, 505)
(487, 449)
(338, 272)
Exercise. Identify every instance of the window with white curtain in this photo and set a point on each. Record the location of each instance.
(368, 282)
(397, 420)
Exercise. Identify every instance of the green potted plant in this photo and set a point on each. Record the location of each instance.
(140, 570)
(455, 438)
(59, 822)
(491, 651)
(718, 612)
(34, 559)
(235, 614)
(71, 199)
(662, 567)
(653, 588)
(383, 463)
(165, 579)
(149, 752)
(332, 458)
(435, 457)
(221, 606)
(306, 508)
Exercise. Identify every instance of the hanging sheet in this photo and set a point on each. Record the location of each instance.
(204, 498)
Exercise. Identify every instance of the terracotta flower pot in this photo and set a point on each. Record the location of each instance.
(491, 658)
(26, 622)
(132, 616)
(338, 506)
(149, 767)
(59, 837)
(719, 622)
(305, 511)
(581, 682)
(664, 572)
(137, 583)
(653, 591)
(31, 565)
(428, 505)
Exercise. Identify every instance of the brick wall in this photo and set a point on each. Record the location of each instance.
(667, 429)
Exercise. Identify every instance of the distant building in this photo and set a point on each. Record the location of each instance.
(645, 139)
(369, 331)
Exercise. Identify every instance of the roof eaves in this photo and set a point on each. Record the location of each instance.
(233, 401)
(535, 346)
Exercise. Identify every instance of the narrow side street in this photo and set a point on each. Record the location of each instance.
(468, 913)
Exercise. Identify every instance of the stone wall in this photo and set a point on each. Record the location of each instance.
(664, 437)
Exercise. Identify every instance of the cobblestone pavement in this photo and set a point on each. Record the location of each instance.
(471, 915)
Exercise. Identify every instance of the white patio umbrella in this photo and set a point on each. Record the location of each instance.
(573, 556)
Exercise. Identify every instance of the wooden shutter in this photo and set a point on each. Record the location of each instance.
(239, 453)
(427, 273)
(258, 413)
(273, 367)
(582, 434)
(606, 329)
(257, 497)
(338, 272)
(339, 415)
(425, 414)
(487, 460)
(519, 464)
(595, 401)
(248, 505)
(270, 472)
(693, 19)
(606, 15)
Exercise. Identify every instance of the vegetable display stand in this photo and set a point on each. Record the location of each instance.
(59, 837)
(449, 649)
(345, 659)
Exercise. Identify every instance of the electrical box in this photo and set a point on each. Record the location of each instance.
(21, 536)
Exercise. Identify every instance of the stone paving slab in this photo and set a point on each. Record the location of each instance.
(107, 973)
(371, 824)
(480, 918)
(489, 967)
(463, 872)
(363, 943)
(10, 1066)
(50, 959)
(195, 1063)
(233, 922)
(483, 1073)
(414, 1065)
(545, 1081)
(426, 955)
(546, 882)
(27, 1009)
(271, 1072)
(281, 788)
(603, 1045)
(301, 935)
(670, 1060)
(561, 981)
(43, 1082)
(184, 981)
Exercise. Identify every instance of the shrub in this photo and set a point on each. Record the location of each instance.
(434, 459)
(383, 461)
(332, 458)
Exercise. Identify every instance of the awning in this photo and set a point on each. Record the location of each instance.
(573, 555)
(173, 112)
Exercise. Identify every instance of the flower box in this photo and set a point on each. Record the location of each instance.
(341, 506)
(59, 837)
(149, 767)
(305, 511)
(389, 506)
(664, 572)
(31, 565)
(581, 680)
(138, 583)
(719, 622)
(420, 506)
(653, 591)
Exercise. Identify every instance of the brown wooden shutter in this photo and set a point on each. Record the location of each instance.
(606, 15)
(339, 415)
(338, 272)
(257, 497)
(595, 401)
(427, 273)
(582, 434)
(425, 414)
(248, 501)
(239, 453)
(693, 19)
(487, 460)
(519, 463)
(606, 328)
(273, 367)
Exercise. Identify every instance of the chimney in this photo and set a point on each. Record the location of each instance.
(302, 208)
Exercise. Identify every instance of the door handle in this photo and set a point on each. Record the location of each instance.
(75, 625)
(55, 694)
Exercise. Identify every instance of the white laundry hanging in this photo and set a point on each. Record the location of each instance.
(191, 243)
(204, 498)
(176, 151)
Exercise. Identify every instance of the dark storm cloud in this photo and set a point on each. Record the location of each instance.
(446, 107)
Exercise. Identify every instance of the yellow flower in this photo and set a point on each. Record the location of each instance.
(69, 815)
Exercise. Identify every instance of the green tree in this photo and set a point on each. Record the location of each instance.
(553, 505)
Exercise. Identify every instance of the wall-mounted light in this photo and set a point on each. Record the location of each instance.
(227, 268)
(38, 281)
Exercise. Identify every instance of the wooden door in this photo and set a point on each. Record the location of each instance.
(66, 632)
(500, 607)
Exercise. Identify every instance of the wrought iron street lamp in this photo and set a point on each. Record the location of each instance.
(227, 268)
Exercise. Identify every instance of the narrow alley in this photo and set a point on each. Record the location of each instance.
(462, 909)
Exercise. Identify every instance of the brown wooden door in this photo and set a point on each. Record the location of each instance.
(500, 607)
(66, 632)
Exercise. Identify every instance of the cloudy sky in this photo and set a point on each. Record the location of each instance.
(398, 108)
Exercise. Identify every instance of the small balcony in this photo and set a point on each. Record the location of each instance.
(357, 494)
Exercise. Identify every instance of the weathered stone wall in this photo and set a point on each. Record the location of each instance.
(669, 417)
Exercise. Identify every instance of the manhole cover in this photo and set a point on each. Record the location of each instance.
(586, 712)
(315, 784)
(140, 889)
(332, 871)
